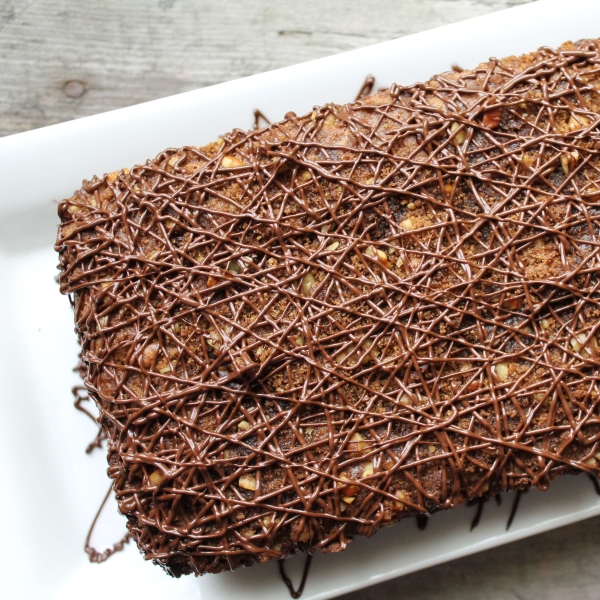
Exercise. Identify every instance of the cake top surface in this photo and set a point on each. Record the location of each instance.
(311, 329)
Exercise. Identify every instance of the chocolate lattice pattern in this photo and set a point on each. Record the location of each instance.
(311, 330)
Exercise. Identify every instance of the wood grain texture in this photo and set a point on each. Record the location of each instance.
(129, 51)
(120, 52)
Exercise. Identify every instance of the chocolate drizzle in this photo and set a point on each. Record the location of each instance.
(422, 521)
(480, 503)
(366, 88)
(295, 593)
(515, 507)
(310, 330)
(81, 395)
(258, 115)
(94, 555)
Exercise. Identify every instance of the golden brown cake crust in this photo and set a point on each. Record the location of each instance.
(308, 331)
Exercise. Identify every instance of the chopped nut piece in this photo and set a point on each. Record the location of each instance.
(402, 498)
(155, 478)
(368, 470)
(564, 161)
(461, 136)
(149, 354)
(545, 324)
(370, 251)
(590, 462)
(307, 284)
(513, 303)
(502, 371)
(373, 351)
(575, 344)
(431, 449)
(164, 370)
(234, 267)
(350, 490)
(248, 482)
(299, 340)
(383, 259)
(211, 281)
(405, 400)
(348, 499)
(304, 536)
(214, 340)
(407, 224)
(333, 247)
(357, 443)
(243, 425)
(330, 119)
(577, 122)
(411, 206)
(231, 162)
(578, 342)
(342, 355)
(492, 118)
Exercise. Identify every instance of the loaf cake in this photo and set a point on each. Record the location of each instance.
(302, 333)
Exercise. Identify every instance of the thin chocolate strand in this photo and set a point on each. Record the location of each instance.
(94, 555)
(80, 394)
(480, 502)
(310, 330)
(422, 521)
(258, 115)
(290, 586)
(366, 88)
(595, 483)
(515, 507)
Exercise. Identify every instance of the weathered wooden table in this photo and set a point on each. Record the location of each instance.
(63, 59)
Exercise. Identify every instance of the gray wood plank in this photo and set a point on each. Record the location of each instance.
(121, 52)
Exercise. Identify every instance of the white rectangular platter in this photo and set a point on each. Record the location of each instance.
(50, 487)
